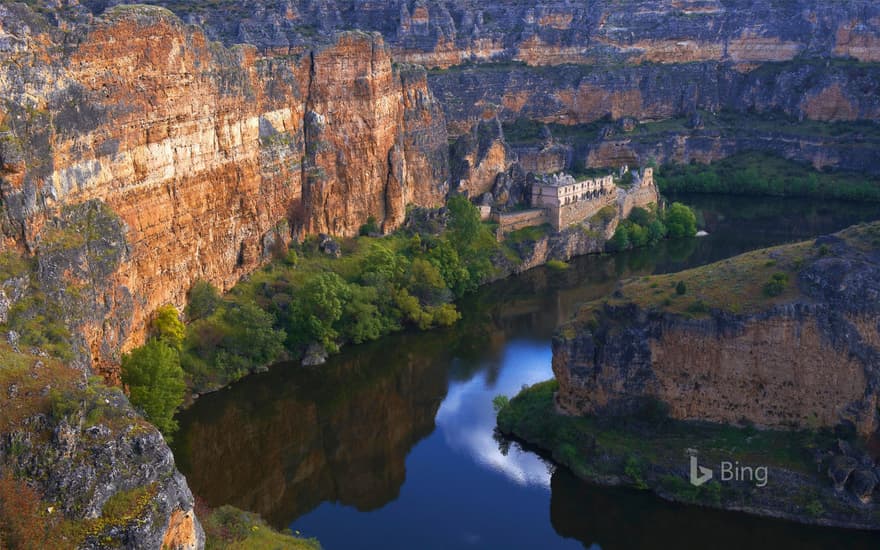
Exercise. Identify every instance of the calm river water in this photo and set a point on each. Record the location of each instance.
(391, 444)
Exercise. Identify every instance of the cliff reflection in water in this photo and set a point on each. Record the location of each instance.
(284, 442)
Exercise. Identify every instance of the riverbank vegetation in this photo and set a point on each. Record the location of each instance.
(647, 226)
(763, 174)
(316, 298)
(312, 299)
(228, 528)
(648, 450)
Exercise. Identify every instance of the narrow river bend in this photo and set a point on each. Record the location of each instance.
(391, 444)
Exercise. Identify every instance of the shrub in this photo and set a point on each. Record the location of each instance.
(681, 288)
(445, 315)
(776, 285)
(22, 524)
(633, 470)
(155, 383)
(464, 222)
(680, 221)
(370, 228)
(620, 240)
(204, 299)
(557, 265)
(500, 402)
(168, 328)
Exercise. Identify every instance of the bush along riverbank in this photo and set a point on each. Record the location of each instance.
(766, 175)
(649, 451)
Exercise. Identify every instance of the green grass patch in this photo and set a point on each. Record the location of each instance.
(228, 528)
(530, 233)
(557, 265)
(737, 285)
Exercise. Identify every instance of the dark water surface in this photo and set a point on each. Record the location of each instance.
(391, 444)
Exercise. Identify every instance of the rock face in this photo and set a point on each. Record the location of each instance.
(565, 63)
(806, 361)
(552, 32)
(479, 157)
(211, 157)
(96, 463)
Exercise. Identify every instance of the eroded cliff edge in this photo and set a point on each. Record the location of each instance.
(766, 358)
(729, 349)
(101, 476)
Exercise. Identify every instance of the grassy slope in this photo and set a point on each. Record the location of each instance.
(228, 528)
(737, 284)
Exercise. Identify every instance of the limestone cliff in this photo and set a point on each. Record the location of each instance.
(780, 338)
(104, 476)
(210, 156)
(553, 32)
(647, 58)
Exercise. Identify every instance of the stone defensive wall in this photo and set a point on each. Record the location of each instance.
(511, 221)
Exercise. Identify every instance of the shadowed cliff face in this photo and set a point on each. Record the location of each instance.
(210, 156)
(803, 360)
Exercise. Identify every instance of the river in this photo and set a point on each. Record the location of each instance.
(391, 444)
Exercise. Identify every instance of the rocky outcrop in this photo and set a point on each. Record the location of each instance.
(211, 157)
(805, 359)
(106, 477)
(478, 158)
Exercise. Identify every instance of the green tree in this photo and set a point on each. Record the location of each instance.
(155, 382)
(381, 264)
(361, 320)
(464, 223)
(317, 309)
(454, 271)
(620, 240)
(168, 328)
(250, 335)
(425, 282)
(203, 300)
(638, 235)
(445, 315)
(680, 221)
(681, 288)
(656, 231)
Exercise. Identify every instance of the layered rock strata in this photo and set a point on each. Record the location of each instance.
(211, 157)
(805, 359)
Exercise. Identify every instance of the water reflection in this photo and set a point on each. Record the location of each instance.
(282, 443)
(617, 519)
(392, 442)
(467, 419)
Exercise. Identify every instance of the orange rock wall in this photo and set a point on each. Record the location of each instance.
(214, 156)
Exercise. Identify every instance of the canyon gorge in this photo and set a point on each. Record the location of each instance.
(147, 146)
